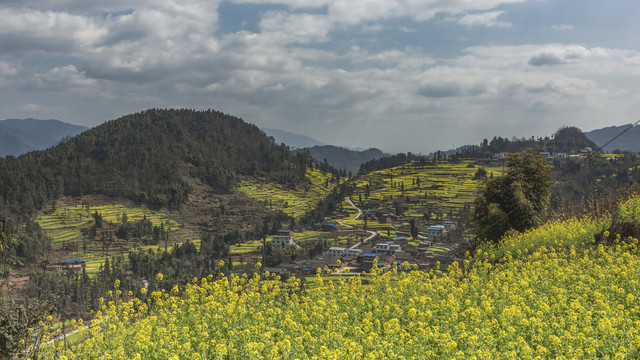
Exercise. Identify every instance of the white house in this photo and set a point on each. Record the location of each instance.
(436, 233)
(335, 251)
(283, 239)
(352, 252)
(382, 247)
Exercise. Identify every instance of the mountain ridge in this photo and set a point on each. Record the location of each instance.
(34, 134)
(627, 141)
(147, 157)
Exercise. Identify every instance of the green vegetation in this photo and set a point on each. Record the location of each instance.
(294, 202)
(551, 292)
(122, 158)
(70, 226)
(428, 191)
(518, 200)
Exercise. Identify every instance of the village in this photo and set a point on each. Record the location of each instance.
(434, 246)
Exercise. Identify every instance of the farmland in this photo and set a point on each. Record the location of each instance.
(294, 202)
(552, 292)
(68, 223)
(422, 190)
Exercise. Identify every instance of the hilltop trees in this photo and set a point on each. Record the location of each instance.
(152, 157)
(518, 200)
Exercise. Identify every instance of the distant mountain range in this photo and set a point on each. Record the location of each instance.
(19, 136)
(343, 158)
(629, 141)
(291, 139)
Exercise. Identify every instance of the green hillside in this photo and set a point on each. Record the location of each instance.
(422, 190)
(293, 202)
(552, 292)
(147, 157)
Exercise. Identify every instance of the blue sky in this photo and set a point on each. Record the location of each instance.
(400, 75)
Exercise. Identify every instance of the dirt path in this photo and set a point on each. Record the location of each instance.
(372, 234)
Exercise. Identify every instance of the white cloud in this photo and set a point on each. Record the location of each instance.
(563, 27)
(64, 77)
(295, 28)
(355, 12)
(326, 68)
(31, 107)
(487, 19)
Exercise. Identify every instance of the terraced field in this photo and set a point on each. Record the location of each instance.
(293, 202)
(65, 227)
(443, 188)
(554, 292)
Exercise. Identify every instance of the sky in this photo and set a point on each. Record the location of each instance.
(399, 75)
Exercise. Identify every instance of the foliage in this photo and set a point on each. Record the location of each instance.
(517, 200)
(565, 140)
(390, 161)
(22, 328)
(556, 300)
(294, 202)
(147, 157)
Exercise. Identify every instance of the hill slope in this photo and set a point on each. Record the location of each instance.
(10, 145)
(629, 141)
(549, 293)
(148, 157)
(33, 134)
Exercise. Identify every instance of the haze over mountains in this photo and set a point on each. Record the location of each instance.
(628, 141)
(19, 136)
(291, 139)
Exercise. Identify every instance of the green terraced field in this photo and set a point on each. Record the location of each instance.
(294, 202)
(73, 216)
(444, 188)
(65, 225)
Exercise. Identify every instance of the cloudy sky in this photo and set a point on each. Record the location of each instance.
(401, 75)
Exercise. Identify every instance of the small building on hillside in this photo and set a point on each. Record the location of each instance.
(349, 253)
(283, 239)
(388, 248)
(335, 251)
(436, 233)
(449, 225)
(65, 264)
(368, 259)
(330, 226)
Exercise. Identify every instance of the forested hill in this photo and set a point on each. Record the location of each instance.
(344, 159)
(565, 140)
(147, 157)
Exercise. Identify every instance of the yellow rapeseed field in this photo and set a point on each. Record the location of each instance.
(563, 298)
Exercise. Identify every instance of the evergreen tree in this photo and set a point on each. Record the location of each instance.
(517, 200)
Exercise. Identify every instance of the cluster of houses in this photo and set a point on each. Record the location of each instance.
(384, 254)
(381, 215)
(548, 155)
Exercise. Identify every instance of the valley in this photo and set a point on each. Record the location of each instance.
(96, 212)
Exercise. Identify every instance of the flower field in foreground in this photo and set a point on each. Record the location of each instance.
(556, 301)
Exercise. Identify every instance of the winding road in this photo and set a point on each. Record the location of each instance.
(372, 234)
